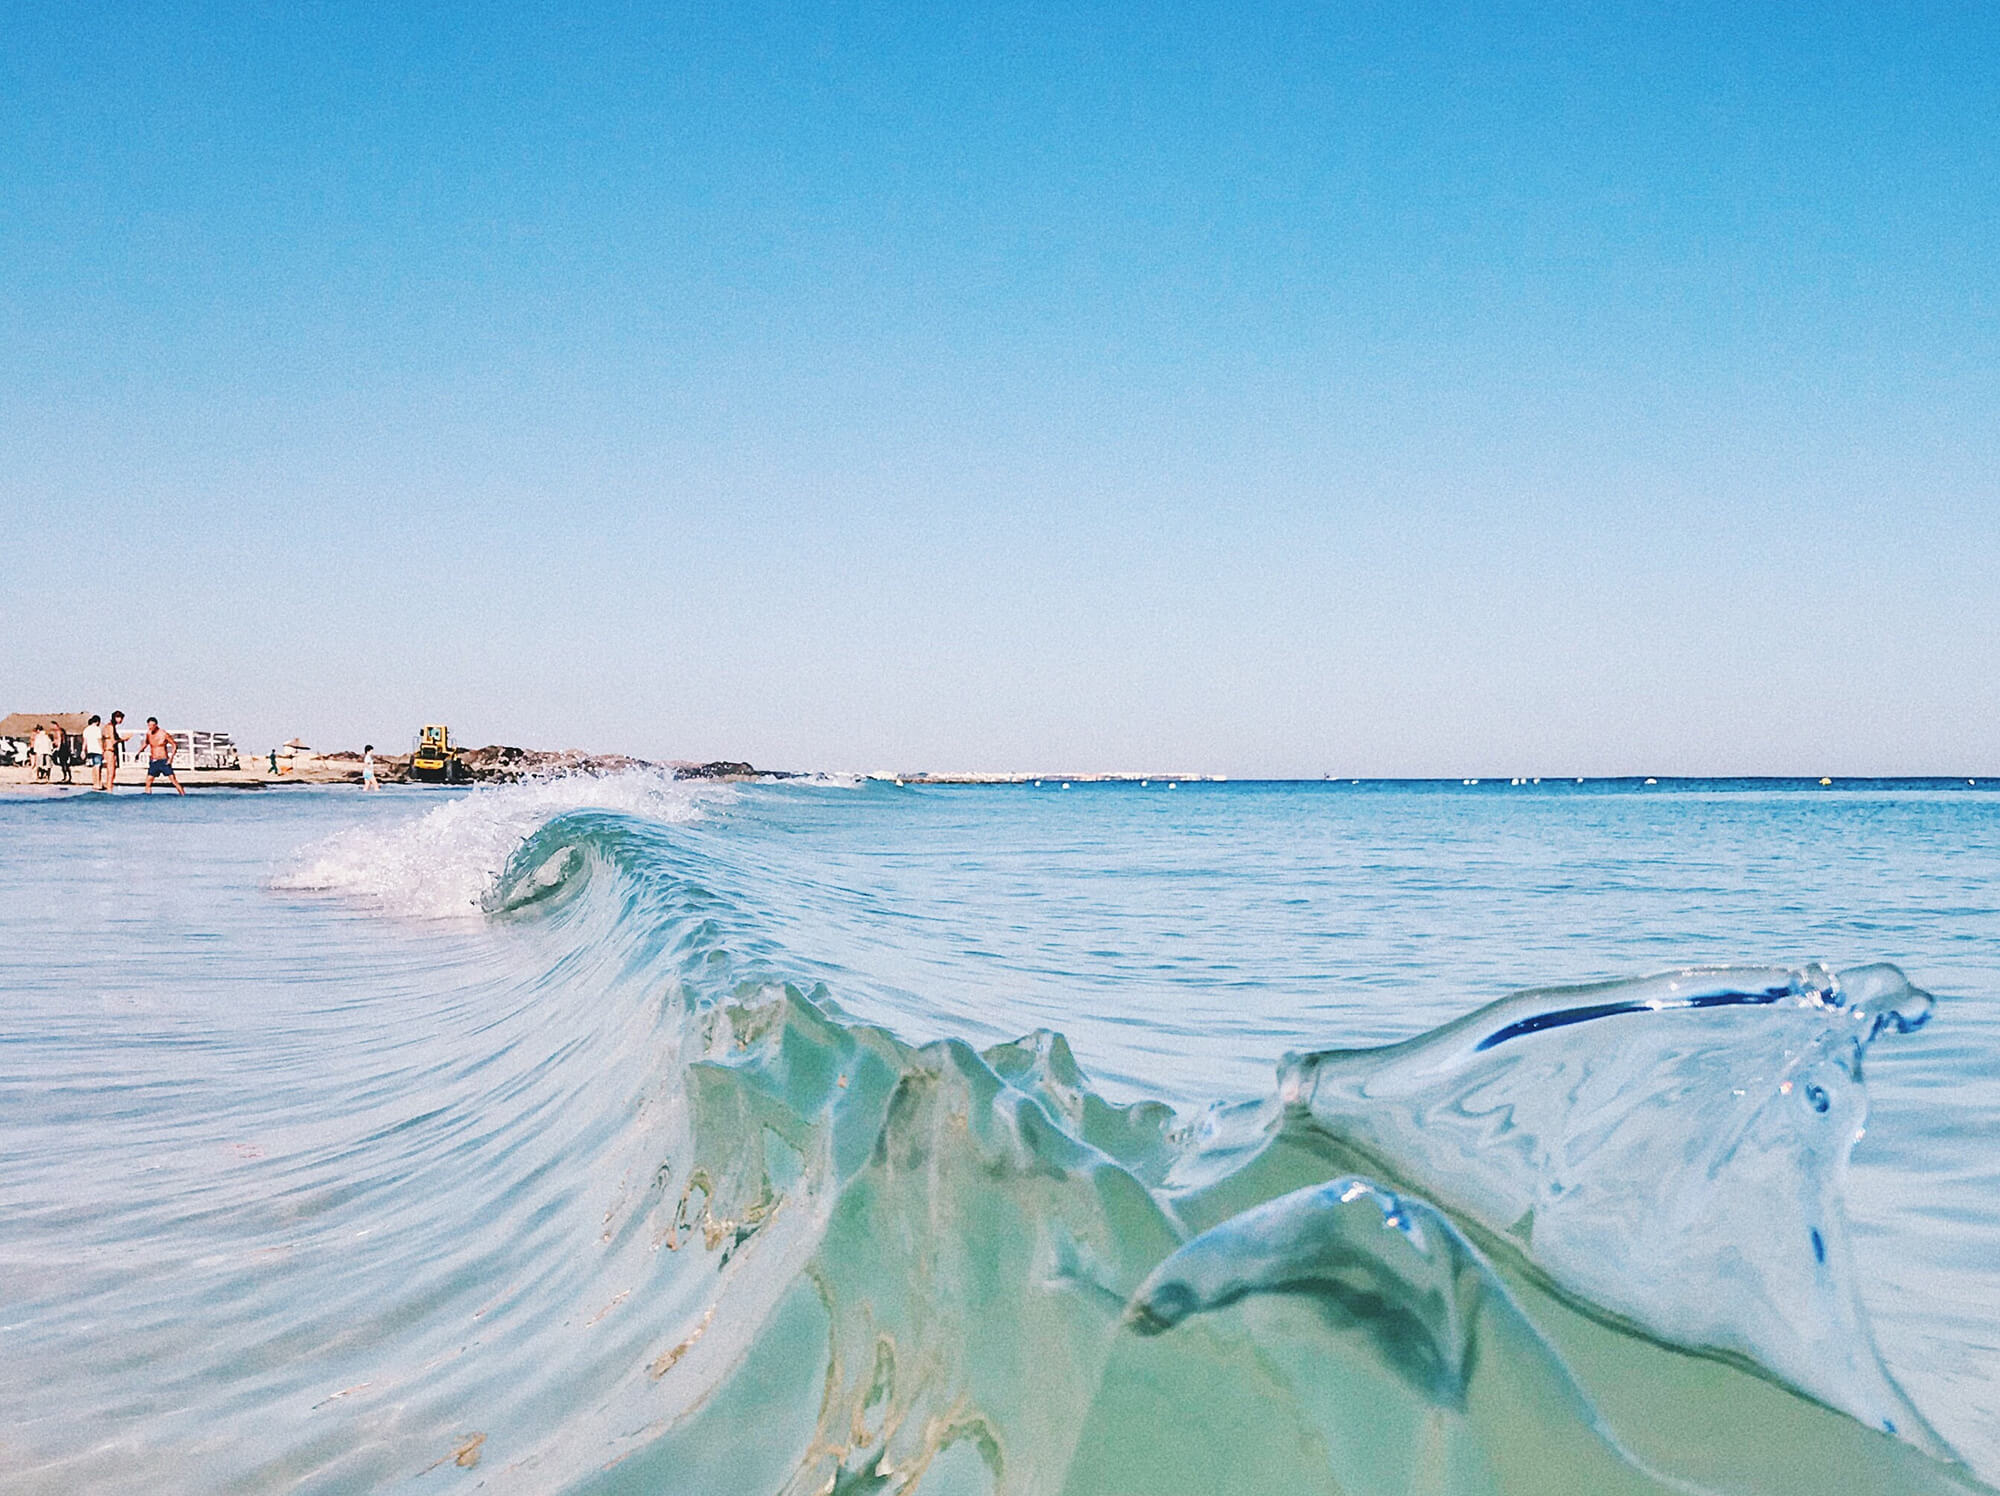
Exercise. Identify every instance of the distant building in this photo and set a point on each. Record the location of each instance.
(206, 750)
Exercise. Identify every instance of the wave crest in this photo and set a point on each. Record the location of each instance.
(445, 862)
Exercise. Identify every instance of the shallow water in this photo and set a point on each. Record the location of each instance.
(333, 1157)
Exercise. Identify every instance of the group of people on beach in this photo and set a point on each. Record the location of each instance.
(48, 754)
(103, 743)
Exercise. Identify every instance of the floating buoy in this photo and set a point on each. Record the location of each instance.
(1652, 781)
(1825, 780)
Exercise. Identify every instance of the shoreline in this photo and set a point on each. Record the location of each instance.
(495, 764)
(506, 765)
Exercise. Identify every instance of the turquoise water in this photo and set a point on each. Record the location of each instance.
(624, 1135)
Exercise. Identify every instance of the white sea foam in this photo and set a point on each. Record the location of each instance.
(440, 864)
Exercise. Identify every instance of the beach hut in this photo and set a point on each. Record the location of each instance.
(295, 753)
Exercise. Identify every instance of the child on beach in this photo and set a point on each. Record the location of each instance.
(368, 767)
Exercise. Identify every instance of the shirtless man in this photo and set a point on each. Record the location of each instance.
(160, 749)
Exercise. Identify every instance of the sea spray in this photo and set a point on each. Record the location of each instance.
(442, 862)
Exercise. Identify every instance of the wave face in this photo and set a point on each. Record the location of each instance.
(930, 1267)
(675, 1220)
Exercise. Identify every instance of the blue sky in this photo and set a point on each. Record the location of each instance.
(1278, 390)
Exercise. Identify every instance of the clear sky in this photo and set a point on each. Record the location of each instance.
(1278, 389)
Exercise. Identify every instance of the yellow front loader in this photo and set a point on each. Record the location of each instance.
(435, 760)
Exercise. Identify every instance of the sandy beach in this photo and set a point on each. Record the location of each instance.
(19, 779)
(253, 774)
(495, 764)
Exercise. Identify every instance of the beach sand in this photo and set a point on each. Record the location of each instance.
(492, 764)
(255, 774)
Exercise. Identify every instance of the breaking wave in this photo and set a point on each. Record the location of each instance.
(443, 863)
(1580, 1240)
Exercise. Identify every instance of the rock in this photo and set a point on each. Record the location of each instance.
(502, 763)
(720, 768)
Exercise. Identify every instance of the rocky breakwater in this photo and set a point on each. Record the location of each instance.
(500, 763)
(507, 765)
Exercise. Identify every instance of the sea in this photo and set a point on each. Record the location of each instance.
(625, 1134)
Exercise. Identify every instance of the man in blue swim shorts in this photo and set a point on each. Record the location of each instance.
(160, 750)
